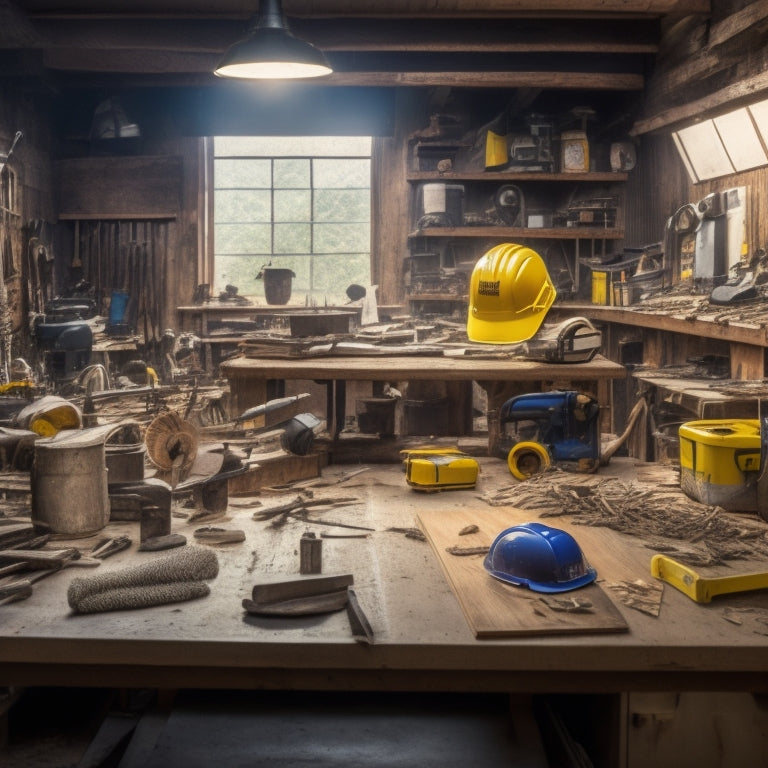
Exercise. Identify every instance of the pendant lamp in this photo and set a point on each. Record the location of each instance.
(270, 51)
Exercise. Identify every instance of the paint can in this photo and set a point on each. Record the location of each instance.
(69, 484)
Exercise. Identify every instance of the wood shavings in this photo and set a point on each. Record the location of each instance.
(568, 604)
(752, 619)
(213, 535)
(297, 508)
(660, 516)
(410, 533)
(463, 551)
(640, 595)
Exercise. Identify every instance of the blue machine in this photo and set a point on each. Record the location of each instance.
(543, 429)
(67, 347)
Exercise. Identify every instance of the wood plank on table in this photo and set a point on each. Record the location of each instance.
(494, 609)
(405, 368)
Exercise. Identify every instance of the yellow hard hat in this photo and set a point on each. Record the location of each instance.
(510, 293)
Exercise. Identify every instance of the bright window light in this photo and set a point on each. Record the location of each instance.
(736, 141)
(705, 150)
(759, 114)
(684, 155)
(741, 141)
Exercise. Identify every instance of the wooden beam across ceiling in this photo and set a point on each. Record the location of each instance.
(610, 55)
(394, 35)
(371, 8)
(456, 43)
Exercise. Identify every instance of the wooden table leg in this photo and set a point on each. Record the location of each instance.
(246, 392)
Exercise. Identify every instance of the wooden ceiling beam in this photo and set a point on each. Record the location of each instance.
(566, 80)
(378, 8)
(731, 96)
(438, 35)
(550, 80)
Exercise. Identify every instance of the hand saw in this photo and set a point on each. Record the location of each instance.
(701, 589)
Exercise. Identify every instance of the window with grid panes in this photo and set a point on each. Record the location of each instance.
(300, 203)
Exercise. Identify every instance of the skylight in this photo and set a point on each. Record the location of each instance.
(730, 143)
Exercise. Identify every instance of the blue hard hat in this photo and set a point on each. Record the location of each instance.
(539, 557)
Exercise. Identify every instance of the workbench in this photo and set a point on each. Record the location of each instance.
(501, 378)
(422, 640)
(218, 323)
(671, 330)
(701, 398)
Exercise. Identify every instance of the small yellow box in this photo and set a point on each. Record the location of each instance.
(432, 470)
(600, 283)
(719, 462)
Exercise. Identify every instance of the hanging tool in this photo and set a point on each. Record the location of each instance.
(5, 317)
(5, 157)
(701, 589)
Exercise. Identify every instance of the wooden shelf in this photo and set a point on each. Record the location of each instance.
(670, 321)
(496, 176)
(559, 233)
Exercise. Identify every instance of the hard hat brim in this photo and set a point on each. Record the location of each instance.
(504, 331)
(548, 588)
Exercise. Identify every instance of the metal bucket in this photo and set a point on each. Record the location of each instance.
(125, 452)
(69, 484)
(125, 462)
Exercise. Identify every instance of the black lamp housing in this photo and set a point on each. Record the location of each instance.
(271, 52)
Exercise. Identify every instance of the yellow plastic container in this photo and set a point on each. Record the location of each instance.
(600, 287)
(720, 461)
(437, 471)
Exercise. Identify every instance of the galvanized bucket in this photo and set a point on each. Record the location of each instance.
(69, 483)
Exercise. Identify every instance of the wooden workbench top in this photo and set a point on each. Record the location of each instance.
(422, 639)
(403, 367)
(690, 315)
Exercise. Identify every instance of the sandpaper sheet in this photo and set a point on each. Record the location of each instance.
(494, 609)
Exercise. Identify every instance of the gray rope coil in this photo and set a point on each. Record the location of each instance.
(172, 578)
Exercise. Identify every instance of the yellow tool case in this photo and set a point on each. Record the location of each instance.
(720, 462)
(438, 469)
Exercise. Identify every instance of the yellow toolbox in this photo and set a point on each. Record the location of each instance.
(438, 469)
(720, 462)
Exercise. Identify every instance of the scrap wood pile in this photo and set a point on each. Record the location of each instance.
(679, 300)
(707, 535)
(439, 337)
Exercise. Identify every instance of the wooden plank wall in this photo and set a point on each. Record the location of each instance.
(655, 189)
(119, 187)
(659, 185)
(391, 194)
(756, 182)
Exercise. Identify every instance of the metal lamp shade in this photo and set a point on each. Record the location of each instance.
(271, 52)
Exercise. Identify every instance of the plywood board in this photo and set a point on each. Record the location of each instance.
(495, 609)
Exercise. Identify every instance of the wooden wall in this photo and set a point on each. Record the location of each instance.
(656, 188)
(391, 194)
(154, 193)
(30, 161)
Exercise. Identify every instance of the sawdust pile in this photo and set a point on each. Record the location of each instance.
(668, 521)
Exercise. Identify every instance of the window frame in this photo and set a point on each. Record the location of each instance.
(313, 292)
